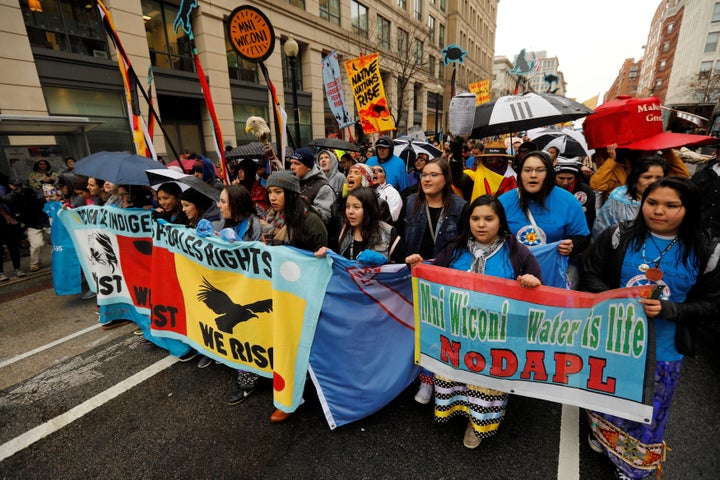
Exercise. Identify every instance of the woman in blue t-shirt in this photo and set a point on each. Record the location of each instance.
(483, 246)
(664, 246)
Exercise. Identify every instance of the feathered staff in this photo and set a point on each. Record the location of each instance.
(259, 128)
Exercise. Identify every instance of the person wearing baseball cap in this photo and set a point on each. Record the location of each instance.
(493, 175)
(314, 186)
(393, 165)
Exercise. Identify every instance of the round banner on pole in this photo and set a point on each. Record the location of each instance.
(251, 33)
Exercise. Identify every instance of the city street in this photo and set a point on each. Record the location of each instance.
(80, 402)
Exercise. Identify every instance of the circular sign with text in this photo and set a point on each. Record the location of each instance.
(251, 33)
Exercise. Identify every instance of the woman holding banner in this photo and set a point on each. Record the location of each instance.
(665, 246)
(486, 246)
(431, 220)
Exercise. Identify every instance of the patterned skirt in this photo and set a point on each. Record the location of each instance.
(638, 448)
(485, 408)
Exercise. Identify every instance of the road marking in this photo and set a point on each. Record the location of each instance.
(23, 441)
(48, 345)
(569, 455)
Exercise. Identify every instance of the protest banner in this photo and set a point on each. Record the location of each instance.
(590, 350)
(481, 90)
(244, 304)
(362, 356)
(334, 91)
(367, 87)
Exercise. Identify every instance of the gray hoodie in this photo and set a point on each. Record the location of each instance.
(335, 178)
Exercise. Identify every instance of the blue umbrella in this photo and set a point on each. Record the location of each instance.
(120, 168)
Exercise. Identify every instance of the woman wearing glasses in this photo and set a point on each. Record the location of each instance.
(431, 220)
(539, 212)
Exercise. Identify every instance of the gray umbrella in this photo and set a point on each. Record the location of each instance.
(253, 150)
(120, 168)
(158, 176)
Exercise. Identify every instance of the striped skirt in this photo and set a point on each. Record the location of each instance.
(485, 408)
(638, 448)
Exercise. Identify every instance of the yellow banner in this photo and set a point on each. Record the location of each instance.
(367, 86)
(481, 90)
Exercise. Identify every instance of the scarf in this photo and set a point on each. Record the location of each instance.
(482, 252)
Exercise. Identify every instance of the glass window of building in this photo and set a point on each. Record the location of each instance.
(442, 5)
(418, 9)
(240, 116)
(441, 70)
(431, 28)
(113, 134)
(666, 46)
(716, 12)
(330, 11)
(403, 41)
(669, 28)
(359, 17)
(287, 70)
(71, 26)
(297, 3)
(419, 55)
(431, 65)
(441, 36)
(239, 68)
(662, 65)
(383, 32)
(168, 49)
(705, 68)
(402, 4)
(711, 42)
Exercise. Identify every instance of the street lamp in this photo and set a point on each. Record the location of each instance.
(292, 49)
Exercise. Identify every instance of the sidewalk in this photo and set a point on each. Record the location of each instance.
(45, 268)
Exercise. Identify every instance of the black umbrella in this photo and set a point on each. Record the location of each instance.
(335, 144)
(253, 150)
(120, 168)
(566, 145)
(514, 113)
(158, 176)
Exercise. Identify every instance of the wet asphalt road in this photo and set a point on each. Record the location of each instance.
(176, 423)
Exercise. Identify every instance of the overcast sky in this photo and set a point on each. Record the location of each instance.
(590, 39)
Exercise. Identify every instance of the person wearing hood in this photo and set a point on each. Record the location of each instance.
(393, 165)
(313, 185)
(205, 170)
(42, 173)
(329, 165)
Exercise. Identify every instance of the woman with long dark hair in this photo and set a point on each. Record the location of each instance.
(247, 177)
(624, 202)
(665, 246)
(430, 222)
(363, 229)
(486, 246)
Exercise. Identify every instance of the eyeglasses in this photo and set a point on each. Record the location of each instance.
(539, 171)
(431, 175)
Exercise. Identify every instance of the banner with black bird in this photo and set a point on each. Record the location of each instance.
(244, 304)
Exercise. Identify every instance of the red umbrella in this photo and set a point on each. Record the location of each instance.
(187, 165)
(635, 124)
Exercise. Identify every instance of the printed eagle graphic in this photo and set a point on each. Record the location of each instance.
(101, 250)
(230, 313)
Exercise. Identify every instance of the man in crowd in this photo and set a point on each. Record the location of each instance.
(393, 165)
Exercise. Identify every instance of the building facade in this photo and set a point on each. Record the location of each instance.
(59, 61)
(626, 82)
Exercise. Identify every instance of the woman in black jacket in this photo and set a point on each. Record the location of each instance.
(665, 246)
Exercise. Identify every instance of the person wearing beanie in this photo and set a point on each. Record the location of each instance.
(567, 176)
(493, 175)
(314, 186)
(394, 166)
(284, 179)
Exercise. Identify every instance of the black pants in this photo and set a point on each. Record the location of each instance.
(10, 236)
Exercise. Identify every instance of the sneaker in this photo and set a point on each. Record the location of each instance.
(424, 393)
(470, 440)
(239, 395)
(34, 268)
(204, 362)
(3, 277)
(88, 295)
(138, 332)
(595, 446)
(19, 272)
(188, 356)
